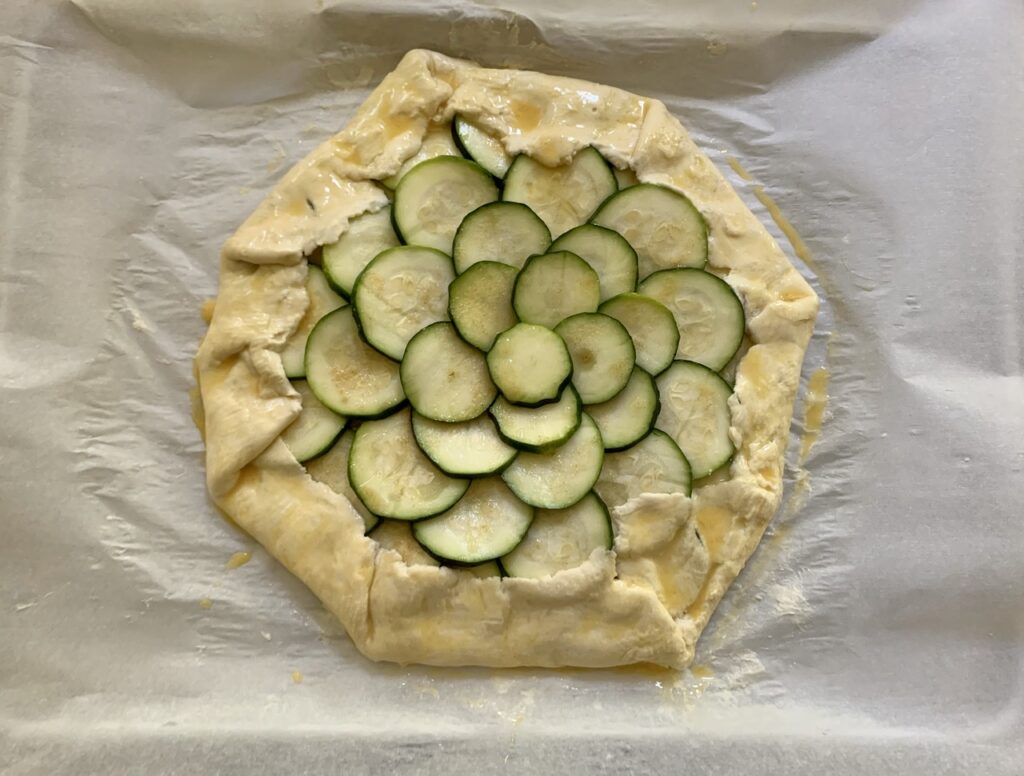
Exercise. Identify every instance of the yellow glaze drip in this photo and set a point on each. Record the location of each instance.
(797, 499)
(738, 168)
(816, 401)
(238, 559)
(814, 410)
(196, 405)
(651, 670)
(785, 225)
(206, 311)
(787, 228)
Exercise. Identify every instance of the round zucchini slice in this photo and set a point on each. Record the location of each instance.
(434, 196)
(662, 225)
(561, 539)
(444, 377)
(393, 477)
(485, 524)
(707, 311)
(695, 413)
(561, 477)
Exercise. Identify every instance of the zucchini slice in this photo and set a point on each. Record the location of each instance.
(564, 196)
(482, 148)
(346, 374)
(553, 286)
(695, 413)
(315, 429)
(366, 236)
(434, 197)
(508, 232)
(331, 469)
(438, 141)
(650, 324)
(481, 570)
(393, 477)
(607, 252)
(653, 465)
(625, 177)
(561, 477)
(401, 291)
(322, 300)
(538, 428)
(602, 355)
(661, 224)
(480, 302)
(485, 524)
(530, 364)
(629, 417)
(707, 311)
(561, 539)
(472, 448)
(397, 535)
(444, 377)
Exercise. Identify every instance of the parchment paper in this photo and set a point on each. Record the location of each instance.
(880, 627)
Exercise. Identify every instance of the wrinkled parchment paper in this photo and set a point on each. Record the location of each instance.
(879, 628)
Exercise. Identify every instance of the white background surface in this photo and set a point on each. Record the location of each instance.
(879, 628)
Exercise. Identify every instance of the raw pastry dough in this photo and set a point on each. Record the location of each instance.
(650, 598)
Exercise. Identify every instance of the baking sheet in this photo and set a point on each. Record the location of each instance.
(878, 629)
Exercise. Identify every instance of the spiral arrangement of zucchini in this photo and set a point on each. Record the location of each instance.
(518, 351)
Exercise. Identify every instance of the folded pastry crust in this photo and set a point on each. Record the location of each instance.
(647, 600)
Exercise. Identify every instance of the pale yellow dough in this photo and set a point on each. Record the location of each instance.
(648, 600)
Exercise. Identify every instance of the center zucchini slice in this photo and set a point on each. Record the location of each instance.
(529, 364)
(651, 326)
(629, 416)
